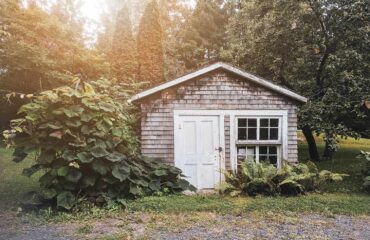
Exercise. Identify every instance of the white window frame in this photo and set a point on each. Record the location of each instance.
(278, 160)
(258, 141)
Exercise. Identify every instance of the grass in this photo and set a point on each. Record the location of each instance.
(339, 198)
(345, 161)
(327, 203)
(12, 184)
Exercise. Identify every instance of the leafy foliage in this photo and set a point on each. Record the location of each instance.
(123, 56)
(87, 148)
(315, 47)
(150, 46)
(264, 179)
(41, 49)
(203, 35)
(366, 185)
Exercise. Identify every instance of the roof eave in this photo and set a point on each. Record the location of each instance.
(213, 67)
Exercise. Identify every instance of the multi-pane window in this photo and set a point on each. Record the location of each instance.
(258, 129)
(269, 129)
(247, 152)
(267, 154)
(247, 129)
(258, 139)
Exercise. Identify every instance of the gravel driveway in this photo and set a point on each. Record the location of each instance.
(300, 227)
(21, 228)
(35, 233)
(194, 226)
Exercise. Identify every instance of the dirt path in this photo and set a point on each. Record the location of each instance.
(193, 226)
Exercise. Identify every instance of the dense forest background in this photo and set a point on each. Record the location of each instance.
(318, 48)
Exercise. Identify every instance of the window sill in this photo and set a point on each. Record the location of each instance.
(255, 142)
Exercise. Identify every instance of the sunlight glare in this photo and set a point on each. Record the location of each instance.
(92, 9)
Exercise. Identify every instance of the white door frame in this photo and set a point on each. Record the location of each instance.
(221, 122)
(283, 114)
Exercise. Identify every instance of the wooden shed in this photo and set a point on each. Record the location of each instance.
(215, 118)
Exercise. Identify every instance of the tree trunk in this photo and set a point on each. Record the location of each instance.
(312, 147)
(328, 151)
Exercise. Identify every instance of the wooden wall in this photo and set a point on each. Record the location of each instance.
(218, 90)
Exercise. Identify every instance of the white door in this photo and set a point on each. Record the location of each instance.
(197, 143)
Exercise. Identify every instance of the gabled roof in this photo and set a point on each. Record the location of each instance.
(227, 67)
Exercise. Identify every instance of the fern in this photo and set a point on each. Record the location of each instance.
(264, 179)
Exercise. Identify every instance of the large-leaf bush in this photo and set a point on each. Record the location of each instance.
(86, 148)
(265, 179)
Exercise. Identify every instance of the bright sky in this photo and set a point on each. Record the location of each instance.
(92, 9)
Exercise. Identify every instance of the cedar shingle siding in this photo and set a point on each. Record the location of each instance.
(217, 90)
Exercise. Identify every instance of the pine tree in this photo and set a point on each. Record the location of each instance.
(123, 55)
(204, 34)
(150, 46)
(174, 14)
(104, 41)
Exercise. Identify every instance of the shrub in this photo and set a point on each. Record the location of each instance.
(264, 179)
(86, 146)
(366, 185)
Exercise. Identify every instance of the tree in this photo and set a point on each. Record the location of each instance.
(67, 11)
(150, 46)
(204, 34)
(315, 47)
(39, 52)
(109, 18)
(174, 15)
(123, 55)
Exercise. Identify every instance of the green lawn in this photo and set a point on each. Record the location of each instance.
(12, 184)
(339, 198)
(344, 161)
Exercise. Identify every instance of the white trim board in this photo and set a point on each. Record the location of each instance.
(221, 65)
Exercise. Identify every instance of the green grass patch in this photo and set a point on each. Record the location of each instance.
(328, 203)
(345, 161)
(180, 203)
(12, 184)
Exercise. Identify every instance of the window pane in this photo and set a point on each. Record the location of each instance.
(273, 160)
(274, 133)
(263, 150)
(272, 150)
(241, 151)
(264, 133)
(274, 122)
(251, 151)
(242, 122)
(252, 122)
(252, 133)
(242, 134)
(264, 122)
(263, 158)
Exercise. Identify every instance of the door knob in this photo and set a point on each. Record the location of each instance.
(219, 149)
